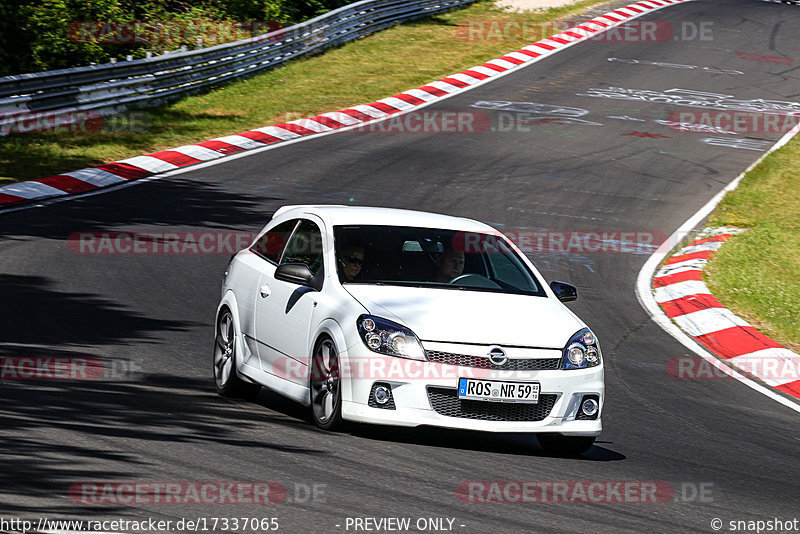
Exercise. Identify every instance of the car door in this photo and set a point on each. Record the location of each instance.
(265, 255)
(284, 310)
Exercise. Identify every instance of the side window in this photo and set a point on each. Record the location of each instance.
(305, 246)
(508, 269)
(270, 245)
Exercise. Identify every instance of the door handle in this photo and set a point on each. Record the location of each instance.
(265, 291)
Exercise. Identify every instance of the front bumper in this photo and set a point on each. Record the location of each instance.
(418, 387)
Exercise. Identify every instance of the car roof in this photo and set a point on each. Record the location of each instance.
(338, 215)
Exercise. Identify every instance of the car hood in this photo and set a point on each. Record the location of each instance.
(476, 317)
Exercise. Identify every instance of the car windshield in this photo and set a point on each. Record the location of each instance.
(427, 257)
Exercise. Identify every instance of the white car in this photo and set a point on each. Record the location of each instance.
(407, 318)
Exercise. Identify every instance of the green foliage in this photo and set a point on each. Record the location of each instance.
(38, 35)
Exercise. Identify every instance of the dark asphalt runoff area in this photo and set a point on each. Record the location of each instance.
(585, 164)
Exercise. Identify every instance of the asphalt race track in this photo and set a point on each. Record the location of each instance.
(534, 168)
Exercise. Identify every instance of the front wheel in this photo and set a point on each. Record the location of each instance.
(326, 391)
(569, 445)
(229, 384)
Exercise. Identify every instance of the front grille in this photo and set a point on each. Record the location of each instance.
(527, 364)
(445, 401)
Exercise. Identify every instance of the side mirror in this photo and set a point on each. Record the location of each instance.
(564, 292)
(295, 273)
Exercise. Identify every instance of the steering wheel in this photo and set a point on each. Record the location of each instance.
(474, 280)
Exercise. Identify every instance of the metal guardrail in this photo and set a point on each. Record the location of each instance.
(113, 87)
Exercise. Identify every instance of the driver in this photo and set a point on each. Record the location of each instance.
(449, 265)
(350, 262)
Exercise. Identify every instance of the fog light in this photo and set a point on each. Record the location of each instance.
(589, 407)
(382, 395)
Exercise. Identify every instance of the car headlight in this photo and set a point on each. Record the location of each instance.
(582, 351)
(386, 337)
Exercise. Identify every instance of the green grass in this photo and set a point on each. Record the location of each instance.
(365, 70)
(757, 273)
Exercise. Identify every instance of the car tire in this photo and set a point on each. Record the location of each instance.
(325, 385)
(226, 343)
(567, 445)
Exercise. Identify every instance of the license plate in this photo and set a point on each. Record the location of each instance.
(498, 391)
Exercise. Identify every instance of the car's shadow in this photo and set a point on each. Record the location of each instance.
(497, 443)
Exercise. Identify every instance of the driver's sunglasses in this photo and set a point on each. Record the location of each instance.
(354, 259)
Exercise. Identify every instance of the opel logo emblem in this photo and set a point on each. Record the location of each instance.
(498, 356)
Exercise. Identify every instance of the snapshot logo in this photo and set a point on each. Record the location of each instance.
(635, 31)
(564, 242)
(140, 492)
(74, 122)
(733, 122)
(763, 367)
(68, 368)
(431, 122)
(581, 492)
(132, 32)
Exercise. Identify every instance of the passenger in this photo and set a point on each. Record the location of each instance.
(449, 265)
(351, 260)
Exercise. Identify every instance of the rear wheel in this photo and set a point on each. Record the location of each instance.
(326, 392)
(229, 384)
(560, 444)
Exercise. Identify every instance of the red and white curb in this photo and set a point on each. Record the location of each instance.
(119, 172)
(680, 291)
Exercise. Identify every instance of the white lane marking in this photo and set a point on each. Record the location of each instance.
(704, 247)
(31, 190)
(645, 294)
(776, 366)
(502, 63)
(484, 70)
(396, 103)
(240, 141)
(466, 78)
(708, 321)
(680, 290)
(94, 176)
(421, 94)
(150, 164)
(274, 131)
(444, 86)
(519, 56)
(375, 113)
(311, 124)
(696, 264)
(198, 152)
(338, 116)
